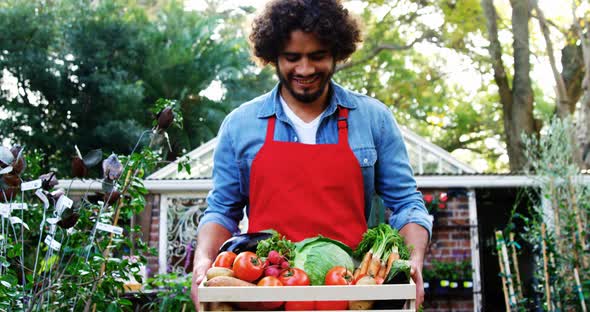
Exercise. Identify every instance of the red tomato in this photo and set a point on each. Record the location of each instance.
(270, 281)
(269, 305)
(294, 277)
(338, 275)
(299, 306)
(225, 259)
(248, 267)
(331, 305)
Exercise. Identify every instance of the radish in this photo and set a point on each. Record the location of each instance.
(272, 270)
(285, 264)
(274, 257)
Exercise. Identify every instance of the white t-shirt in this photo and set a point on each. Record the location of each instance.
(306, 131)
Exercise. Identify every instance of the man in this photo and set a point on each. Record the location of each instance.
(307, 158)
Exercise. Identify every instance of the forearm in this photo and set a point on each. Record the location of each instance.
(211, 237)
(416, 236)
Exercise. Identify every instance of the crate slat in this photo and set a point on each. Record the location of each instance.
(307, 293)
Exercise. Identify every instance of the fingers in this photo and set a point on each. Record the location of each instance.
(199, 271)
(416, 275)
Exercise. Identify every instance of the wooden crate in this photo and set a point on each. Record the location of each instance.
(311, 293)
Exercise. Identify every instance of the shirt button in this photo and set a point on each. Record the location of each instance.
(366, 161)
(295, 139)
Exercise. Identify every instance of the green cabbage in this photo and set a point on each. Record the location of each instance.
(317, 255)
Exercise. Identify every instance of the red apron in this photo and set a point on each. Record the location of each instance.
(303, 190)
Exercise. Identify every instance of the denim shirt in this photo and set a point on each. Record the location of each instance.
(373, 136)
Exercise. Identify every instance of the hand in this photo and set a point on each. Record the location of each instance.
(416, 274)
(199, 270)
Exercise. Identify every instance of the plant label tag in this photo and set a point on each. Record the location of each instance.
(4, 210)
(42, 197)
(17, 220)
(31, 185)
(16, 206)
(52, 243)
(62, 204)
(109, 228)
(53, 220)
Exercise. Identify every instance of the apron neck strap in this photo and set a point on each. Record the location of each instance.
(270, 128)
(342, 125)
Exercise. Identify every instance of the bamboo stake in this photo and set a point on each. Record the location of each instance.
(556, 299)
(107, 251)
(502, 243)
(579, 290)
(516, 269)
(579, 225)
(545, 268)
(503, 276)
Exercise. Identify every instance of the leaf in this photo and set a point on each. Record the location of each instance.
(5, 284)
(125, 302)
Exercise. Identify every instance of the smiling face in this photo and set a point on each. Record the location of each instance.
(305, 67)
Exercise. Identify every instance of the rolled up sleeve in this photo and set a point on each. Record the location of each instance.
(225, 203)
(394, 180)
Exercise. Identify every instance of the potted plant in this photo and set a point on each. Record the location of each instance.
(446, 278)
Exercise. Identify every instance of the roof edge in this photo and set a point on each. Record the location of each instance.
(432, 181)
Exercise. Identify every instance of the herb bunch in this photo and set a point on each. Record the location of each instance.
(277, 242)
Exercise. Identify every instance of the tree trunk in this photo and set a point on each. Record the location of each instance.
(522, 108)
(517, 103)
(583, 120)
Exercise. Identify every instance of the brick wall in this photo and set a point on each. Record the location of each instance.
(153, 211)
(451, 241)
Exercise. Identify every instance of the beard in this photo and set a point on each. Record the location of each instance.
(306, 96)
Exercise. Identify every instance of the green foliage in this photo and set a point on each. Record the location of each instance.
(412, 76)
(72, 90)
(173, 292)
(559, 204)
(70, 277)
(448, 270)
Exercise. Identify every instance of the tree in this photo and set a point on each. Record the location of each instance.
(190, 52)
(403, 63)
(569, 83)
(516, 96)
(88, 72)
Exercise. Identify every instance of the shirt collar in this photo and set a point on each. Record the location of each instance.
(272, 102)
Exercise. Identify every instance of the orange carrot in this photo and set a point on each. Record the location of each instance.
(394, 255)
(365, 263)
(356, 273)
(382, 270)
(374, 266)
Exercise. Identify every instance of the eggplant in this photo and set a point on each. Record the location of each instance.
(244, 242)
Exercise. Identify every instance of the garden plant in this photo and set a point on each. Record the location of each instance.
(556, 228)
(63, 251)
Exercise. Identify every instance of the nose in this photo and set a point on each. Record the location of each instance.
(305, 67)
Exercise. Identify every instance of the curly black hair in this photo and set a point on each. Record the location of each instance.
(327, 19)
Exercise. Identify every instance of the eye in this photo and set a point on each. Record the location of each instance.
(318, 56)
(291, 57)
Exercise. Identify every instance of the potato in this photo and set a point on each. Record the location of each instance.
(220, 306)
(219, 271)
(363, 304)
(227, 281)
